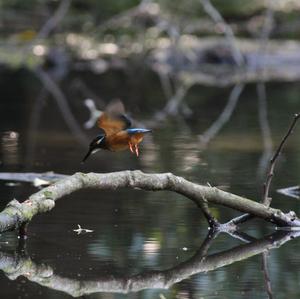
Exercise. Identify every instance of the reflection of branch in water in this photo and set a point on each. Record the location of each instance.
(34, 121)
(266, 274)
(241, 236)
(172, 106)
(262, 96)
(78, 85)
(165, 84)
(51, 86)
(29, 177)
(265, 129)
(14, 266)
(213, 130)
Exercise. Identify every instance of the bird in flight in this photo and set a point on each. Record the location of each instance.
(117, 132)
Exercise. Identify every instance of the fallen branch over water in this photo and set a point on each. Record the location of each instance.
(16, 215)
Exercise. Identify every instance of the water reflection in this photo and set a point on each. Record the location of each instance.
(10, 148)
(134, 235)
(18, 263)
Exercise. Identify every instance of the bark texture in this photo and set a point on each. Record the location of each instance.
(17, 214)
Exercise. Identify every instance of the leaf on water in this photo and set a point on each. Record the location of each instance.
(81, 230)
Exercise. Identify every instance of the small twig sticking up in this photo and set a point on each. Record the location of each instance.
(218, 19)
(212, 221)
(266, 199)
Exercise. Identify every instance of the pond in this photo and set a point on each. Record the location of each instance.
(142, 244)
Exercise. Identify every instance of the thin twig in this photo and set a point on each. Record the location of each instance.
(266, 199)
(212, 221)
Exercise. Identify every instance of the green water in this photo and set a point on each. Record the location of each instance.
(136, 231)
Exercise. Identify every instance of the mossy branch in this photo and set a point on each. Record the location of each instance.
(17, 214)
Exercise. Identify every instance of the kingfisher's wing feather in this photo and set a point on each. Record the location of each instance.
(113, 119)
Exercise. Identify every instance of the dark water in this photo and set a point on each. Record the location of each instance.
(139, 236)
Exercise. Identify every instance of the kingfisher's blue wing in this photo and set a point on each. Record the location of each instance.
(138, 130)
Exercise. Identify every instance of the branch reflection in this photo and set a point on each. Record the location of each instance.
(14, 265)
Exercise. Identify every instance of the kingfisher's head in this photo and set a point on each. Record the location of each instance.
(97, 144)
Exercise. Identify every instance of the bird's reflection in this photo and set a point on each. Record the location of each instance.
(16, 263)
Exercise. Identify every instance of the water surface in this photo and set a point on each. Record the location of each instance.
(134, 231)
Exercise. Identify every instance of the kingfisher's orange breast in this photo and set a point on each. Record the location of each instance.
(120, 141)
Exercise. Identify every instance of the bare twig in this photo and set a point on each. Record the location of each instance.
(212, 221)
(266, 199)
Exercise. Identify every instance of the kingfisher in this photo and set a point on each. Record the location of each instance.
(117, 134)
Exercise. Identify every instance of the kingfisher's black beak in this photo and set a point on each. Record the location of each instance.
(87, 155)
(95, 146)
